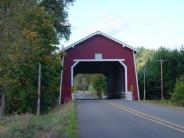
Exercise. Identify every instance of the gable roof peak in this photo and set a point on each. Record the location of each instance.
(99, 33)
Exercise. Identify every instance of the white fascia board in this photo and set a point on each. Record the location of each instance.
(98, 33)
(79, 41)
(101, 60)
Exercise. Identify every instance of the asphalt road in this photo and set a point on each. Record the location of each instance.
(127, 119)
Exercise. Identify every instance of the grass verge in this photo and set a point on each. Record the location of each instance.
(165, 103)
(60, 123)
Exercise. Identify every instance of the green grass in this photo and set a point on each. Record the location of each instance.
(165, 103)
(61, 123)
(162, 102)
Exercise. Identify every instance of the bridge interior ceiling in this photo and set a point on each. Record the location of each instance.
(114, 72)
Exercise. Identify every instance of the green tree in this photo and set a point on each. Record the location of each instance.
(28, 37)
(100, 84)
(172, 69)
(178, 95)
(142, 57)
(57, 9)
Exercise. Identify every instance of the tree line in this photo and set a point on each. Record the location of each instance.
(29, 34)
(173, 71)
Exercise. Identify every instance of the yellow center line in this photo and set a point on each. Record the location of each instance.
(149, 117)
(155, 118)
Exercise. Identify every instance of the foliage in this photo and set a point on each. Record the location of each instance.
(172, 69)
(161, 102)
(28, 37)
(91, 82)
(178, 95)
(99, 83)
(142, 56)
(81, 82)
(57, 8)
(91, 88)
(58, 123)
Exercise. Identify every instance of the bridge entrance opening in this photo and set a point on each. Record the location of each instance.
(90, 86)
(114, 72)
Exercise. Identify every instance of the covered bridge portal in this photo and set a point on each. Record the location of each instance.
(100, 53)
(113, 70)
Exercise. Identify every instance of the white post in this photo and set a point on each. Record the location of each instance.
(61, 81)
(39, 90)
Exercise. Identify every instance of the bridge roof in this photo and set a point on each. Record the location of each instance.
(99, 33)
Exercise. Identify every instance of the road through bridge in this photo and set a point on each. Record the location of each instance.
(128, 119)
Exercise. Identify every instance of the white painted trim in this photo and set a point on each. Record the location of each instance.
(98, 56)
(129, 96)
(98, 60)
(72, 67)
(99, 33)
(90, 60)
(136, 77)
(126, 76)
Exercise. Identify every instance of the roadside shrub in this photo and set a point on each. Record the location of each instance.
(178, 95)
(59, 123)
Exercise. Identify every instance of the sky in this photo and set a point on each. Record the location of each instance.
(148, 23)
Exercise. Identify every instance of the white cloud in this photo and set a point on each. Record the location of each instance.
(111, 25)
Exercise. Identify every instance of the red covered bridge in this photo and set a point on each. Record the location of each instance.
(100, 53)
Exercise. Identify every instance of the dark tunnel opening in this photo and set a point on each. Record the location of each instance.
(112, 70)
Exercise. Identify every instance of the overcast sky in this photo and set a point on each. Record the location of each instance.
(148, 23)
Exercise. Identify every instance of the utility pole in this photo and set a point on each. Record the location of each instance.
(161, 76)
(39, 90)
(144, 96)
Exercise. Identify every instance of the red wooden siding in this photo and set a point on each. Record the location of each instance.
(109, 49)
